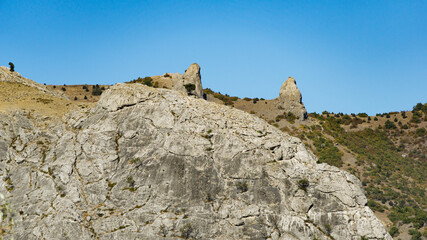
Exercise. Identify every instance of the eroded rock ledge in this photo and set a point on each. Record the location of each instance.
(154, 163)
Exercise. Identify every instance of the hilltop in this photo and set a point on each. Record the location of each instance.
(155, 163)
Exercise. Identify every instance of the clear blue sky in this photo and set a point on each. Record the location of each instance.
(347, 56)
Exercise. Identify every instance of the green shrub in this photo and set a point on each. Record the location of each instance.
(190, 87)
(96, 90)
(326, 150)
(415, 235)
(208, 91)
(242, 186)
(389, 125)
(303, 184)
(375, 206)
(419, 107)
(420, 132)
(416, 117)
(146, 81)
(403, 113)
(290, 117)
(394, 231)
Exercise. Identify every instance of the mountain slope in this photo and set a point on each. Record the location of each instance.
(154, 163)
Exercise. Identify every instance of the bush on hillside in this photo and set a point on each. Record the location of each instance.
(148, 81)
(96, 90)
(389, 125)
(190, 87)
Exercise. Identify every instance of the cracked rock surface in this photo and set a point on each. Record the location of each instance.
(149, 163)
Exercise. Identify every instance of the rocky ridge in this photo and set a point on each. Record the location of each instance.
(149, 163)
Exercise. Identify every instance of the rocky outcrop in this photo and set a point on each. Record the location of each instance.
(191, 76)
(290, 99)
(151, 163)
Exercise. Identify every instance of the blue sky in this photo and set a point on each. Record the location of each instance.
(346, 56)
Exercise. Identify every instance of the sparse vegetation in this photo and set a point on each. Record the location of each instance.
(146, 81)
(303, 184)
(190, 87)
(226, 99)
(96, 90)
(389, 125)
(242, 186)
(394, 231)
(135, 161)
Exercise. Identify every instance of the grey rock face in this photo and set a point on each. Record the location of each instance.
(290, 99)
(151, 163)
(191, 76)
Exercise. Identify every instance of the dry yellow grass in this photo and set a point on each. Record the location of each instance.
(15, 96)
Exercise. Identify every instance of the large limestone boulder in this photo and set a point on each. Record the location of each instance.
(191, 76)
(151, 163)
(290, 99)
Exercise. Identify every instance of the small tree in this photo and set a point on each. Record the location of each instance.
(190, 87)
(389, 125)
(96, 90)
(12, 67)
